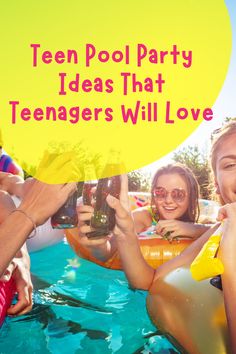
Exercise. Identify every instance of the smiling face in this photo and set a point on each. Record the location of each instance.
(226, 170)
(169, 208)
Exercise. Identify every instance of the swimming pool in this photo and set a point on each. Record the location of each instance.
(81, 307)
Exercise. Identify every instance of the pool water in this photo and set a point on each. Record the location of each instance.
(80, 307)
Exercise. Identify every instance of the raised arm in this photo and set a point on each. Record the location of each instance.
(139, 273)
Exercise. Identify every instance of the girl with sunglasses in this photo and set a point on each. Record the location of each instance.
(174, 211)
(174, 205)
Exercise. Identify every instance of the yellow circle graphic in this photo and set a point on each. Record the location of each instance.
(84, 79)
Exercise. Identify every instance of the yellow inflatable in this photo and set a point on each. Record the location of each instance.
(155, 250)
(190, 313)
(206, 264)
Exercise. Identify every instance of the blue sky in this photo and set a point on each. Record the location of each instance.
(225, 105)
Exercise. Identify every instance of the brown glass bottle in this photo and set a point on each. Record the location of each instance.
(66, 217)
(90, 182)
(103, 220)
(88, 193)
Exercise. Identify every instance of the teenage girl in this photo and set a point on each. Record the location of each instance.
(174, 205)
(174, 210)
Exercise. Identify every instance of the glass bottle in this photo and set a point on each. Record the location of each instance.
(90, 182)
(103, 220)
(66, 217)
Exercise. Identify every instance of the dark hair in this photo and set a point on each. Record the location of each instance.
(192, 212)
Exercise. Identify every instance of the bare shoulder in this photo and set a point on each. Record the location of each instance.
(141, 213)
(142, 219)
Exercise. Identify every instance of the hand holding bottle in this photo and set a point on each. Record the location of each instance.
(85, 213)
(103, 219)
(100, 247)
(103, 247)
(124, 221)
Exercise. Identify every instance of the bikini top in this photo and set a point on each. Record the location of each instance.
(217, 282)
(153, 216)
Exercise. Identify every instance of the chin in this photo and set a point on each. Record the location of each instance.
(170, 216)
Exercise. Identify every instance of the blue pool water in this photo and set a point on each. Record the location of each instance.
(81, 308)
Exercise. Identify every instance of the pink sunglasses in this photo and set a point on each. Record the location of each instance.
(177, 194)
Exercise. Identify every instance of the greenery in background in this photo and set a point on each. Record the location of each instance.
(197, 161)
(228, 120)
(191, 156)
(139, 182)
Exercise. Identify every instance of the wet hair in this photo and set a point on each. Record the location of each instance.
(217, 138)
(192, 212)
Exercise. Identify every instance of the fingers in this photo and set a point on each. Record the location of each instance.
(163, 224)
(85, 213)
(173, 234)
(222, 214)
(84, 217)
(20, 308)
(167, 222)
(227, 211)
(158, 229)
(163, 230)
(90, 242)
(8, 272)
(168, 226)
(24, 289)
(85, 209)
(124, 198)
(115, 204)
(94, 243)
(24, 303)
(3, 175)
(85, 229)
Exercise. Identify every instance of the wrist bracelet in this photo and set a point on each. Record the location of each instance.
(32, 221)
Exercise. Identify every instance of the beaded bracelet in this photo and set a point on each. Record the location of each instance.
(29, 217)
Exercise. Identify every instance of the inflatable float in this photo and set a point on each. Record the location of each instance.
(188, 303)
(190, 313)
(7, 291)
(155, 250)
(45, 236)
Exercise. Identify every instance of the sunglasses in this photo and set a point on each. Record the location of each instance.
(177, 194)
